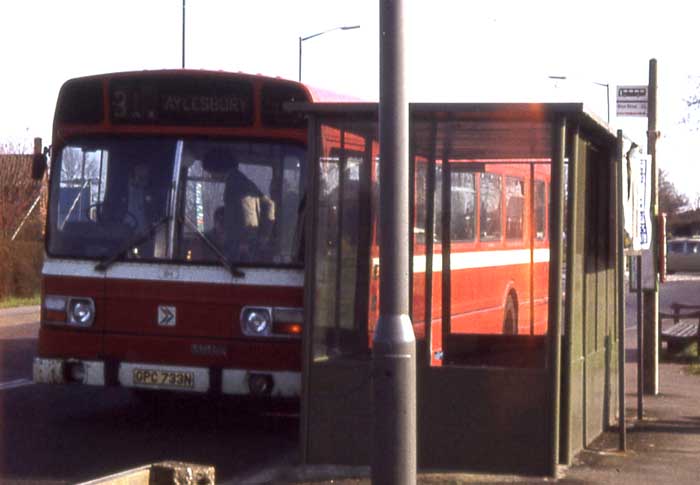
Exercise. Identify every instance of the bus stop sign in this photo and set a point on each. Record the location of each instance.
(632, 100)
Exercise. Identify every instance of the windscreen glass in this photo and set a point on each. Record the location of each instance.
(241, 202)
(194, 201)
(106, 192)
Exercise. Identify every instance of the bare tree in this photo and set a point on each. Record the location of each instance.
(18, 191)
(670, 200)
(693, 103)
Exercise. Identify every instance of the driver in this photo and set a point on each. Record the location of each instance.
(139, 198)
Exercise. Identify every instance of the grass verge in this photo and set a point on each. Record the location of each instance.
(15, 302)
(694, 369)
(688, 355)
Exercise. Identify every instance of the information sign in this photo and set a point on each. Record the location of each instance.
(637, 202)
(632, 100)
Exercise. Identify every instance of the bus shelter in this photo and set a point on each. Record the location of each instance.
(513, 283)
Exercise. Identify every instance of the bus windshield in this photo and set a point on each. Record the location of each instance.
(188, 200)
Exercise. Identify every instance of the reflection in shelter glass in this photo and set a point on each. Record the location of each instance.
(480, 252)
(342, 245)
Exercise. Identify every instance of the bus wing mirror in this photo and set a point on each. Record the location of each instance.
(38, 166)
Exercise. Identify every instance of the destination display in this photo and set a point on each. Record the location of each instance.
(176, 101)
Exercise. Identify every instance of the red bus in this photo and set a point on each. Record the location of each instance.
(173, 237)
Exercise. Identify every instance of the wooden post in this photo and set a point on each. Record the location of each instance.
(650, 382)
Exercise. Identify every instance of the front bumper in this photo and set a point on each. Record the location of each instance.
(237, 382)
(60, 371)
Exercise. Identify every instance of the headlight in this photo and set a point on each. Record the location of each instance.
(272, 322)
(81, 312)
(256, 321)
(69, 310)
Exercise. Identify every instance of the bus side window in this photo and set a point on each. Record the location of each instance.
(463, 205)
(540, 216)
(676, 247)
(515, 207)
(490, 214)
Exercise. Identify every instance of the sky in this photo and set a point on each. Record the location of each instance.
(456, 50)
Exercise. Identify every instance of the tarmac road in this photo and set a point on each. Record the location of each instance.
(58, 435)
(662, 448)
(63, 434)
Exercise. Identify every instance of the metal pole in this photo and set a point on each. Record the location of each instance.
(620, 253)
(183, 34)
(607, 97)
(429, 242)
(640, 343)
(651, 296)
(300, 41)
(394, 345)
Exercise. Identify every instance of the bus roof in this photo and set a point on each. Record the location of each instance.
(315, 94)
(177, 100)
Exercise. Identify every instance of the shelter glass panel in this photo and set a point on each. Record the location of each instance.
(489, 269)
(342, 247)
(480, 262)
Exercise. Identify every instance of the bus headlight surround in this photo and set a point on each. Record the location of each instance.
(81, 312)
(256, 321)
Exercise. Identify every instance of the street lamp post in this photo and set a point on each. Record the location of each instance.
(183, 34)
(605, 85)
(607, 95)
(302, 39)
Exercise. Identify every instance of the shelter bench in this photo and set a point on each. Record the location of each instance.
(685, 328)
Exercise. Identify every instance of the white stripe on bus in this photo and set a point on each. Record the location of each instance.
(480, 259)
(177, 273)
(270, 276)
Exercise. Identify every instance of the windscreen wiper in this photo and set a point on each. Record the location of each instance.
(137, 239)
(237, 273)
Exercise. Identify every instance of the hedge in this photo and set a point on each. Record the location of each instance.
(20, 268)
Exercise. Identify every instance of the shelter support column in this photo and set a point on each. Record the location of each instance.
(572, 302)
(556, 258)
(620, 298)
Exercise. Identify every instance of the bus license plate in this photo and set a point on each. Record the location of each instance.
(164, 378)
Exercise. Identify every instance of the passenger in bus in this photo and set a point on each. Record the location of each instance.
(248, 213)
(127, 200)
